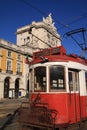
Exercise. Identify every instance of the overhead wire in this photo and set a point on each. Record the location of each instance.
(41, 12)
(59, 22)
(82, 16)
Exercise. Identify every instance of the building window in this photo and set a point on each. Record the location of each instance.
(8, 65)
(26, 40)
(0, 58)
(57, 78)
(0, 62)
(19, 57)
(9, 53)
(18, 67)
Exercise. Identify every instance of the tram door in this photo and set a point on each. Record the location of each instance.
(74, 95)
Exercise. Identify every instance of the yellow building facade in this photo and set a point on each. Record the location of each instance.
(12, 71)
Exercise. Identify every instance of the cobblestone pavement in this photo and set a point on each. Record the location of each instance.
(8, 113)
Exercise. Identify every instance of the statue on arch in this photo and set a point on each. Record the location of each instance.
(49, 21)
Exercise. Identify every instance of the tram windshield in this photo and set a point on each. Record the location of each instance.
(56, 78)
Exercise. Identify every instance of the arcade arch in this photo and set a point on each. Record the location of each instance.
(6, 87)
(17, 84)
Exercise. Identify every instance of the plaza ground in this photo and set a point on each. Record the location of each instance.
(8, 113)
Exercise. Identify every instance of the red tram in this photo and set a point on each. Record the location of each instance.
(58, 84)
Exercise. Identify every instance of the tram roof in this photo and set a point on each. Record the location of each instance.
(56, 54)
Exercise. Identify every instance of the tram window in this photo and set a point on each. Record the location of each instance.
(86, 80)
(57, 78)
(70, 81)
(73, 80)
(40, 79)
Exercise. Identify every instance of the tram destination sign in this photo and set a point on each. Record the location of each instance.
(55, 51)
(50, 51)
(45, 52)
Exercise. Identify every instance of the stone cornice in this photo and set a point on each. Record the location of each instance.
(9, 46)
(34, 25)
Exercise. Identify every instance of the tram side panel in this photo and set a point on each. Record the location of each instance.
(67, 106)
(83, 107)
(74, 108)
(59, 102)
(78, 107)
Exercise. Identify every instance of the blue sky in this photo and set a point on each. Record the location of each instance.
(67, 15)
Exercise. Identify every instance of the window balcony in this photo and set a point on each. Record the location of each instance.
(19, 73)
(0, 70)
(9, 71)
